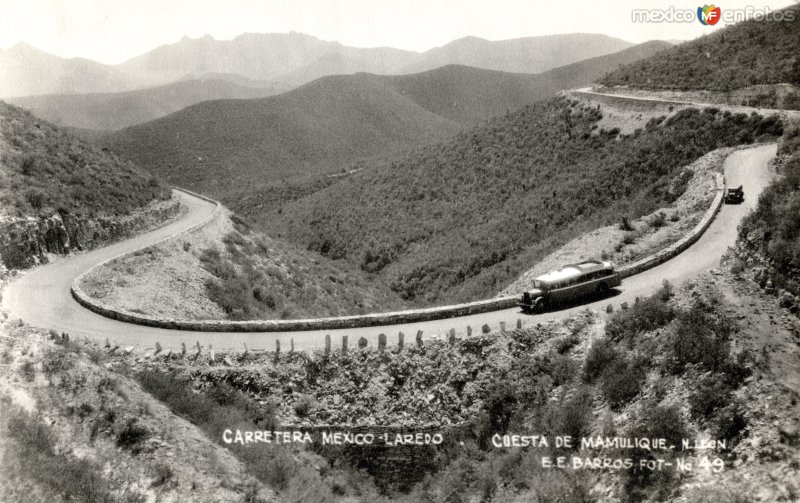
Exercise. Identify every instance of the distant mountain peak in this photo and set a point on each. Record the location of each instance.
(291, 34)
(205, 38)
(24, 47)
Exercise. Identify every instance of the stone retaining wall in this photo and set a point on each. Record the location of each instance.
(685, 242)
(374, 319)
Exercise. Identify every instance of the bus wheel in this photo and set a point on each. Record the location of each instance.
(602, 289)
(539, 306)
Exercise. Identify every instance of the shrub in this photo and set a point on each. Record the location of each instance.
(304, 405)
(558, 367)
(655, 422)
(629, 238)
(30, 430)
(730, 421)
(599, 357)
(163, 475)
(667, 291)
(711, 393)
(57, 361)
(28, 371)
(646, 315)
(275, 465)
(564, 344)
(658, 220)
(701, 337)
(175, 393)
(132, 435)
(621, 381)
(499, 405)
(574, 416)
(625, 224)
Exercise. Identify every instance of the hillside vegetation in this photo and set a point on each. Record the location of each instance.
(748, 53)
(685, 363)
(236, 149)
(773, 230)
(111, 111)
(254, 277)
(469, 95)
(45, 170)
(220, 145)
(461, 219)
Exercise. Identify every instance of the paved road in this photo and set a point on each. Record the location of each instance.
(42, 296)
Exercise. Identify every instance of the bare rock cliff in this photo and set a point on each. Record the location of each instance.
(25, 242)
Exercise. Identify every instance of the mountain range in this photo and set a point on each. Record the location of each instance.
(282, 59)
(463, 94)
(325, 126)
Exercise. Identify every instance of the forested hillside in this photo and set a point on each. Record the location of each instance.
(240, 151)
(748, 53)
(43, 169)
(469, 95)
(223, 145)
(460, 219)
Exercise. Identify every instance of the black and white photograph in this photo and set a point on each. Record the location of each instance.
(399, 251)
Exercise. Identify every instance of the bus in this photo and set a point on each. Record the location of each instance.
(571, 283)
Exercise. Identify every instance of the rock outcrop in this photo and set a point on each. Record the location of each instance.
(25, 242)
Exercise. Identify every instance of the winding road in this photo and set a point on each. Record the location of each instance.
(42, 297)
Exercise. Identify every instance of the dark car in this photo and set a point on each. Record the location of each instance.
(734, 196)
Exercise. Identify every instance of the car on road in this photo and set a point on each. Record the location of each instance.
(734, 195)
(570, 284)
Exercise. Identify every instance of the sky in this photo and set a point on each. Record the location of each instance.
(112, 31)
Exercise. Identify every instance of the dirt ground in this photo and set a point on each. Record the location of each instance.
(173, 287)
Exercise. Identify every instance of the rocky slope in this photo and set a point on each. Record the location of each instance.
(71, 429)
(59, 194)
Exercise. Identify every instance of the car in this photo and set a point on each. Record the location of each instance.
(734, 195)
(570, 283)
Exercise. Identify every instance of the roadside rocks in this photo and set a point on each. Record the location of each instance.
(25, 242)
(434, 385)
(766, 277)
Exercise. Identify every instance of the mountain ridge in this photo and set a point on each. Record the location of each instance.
(393, 113)
(292, 58)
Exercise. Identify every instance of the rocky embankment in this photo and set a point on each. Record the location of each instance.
(435, 384)
(766, 276)
(25, 242)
